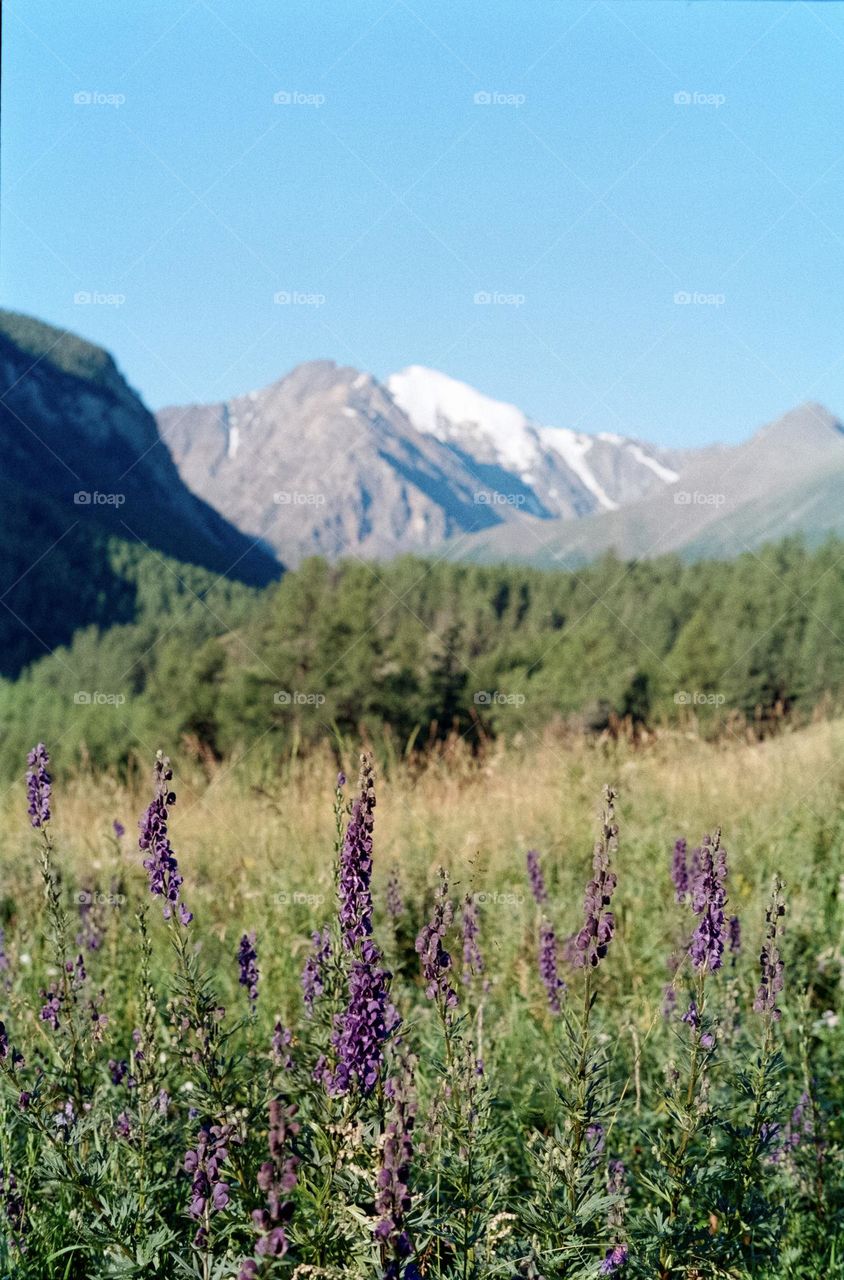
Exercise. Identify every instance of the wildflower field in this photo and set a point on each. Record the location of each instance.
(559, 1011)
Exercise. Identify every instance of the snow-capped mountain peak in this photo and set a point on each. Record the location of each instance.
(456, 413)
(570, 472)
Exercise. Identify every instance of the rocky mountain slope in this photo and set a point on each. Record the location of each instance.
(329, 461)
(788, 478)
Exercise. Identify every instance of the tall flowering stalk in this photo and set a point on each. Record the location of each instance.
(549, 966)
(38, 786)
(568, 1215)
(687, 1099)
(276, 1179)
(593, 941)
(435, 959)
(247, 958)
(355, 872)
(165, 880)
(363, 1027)
(752, 1225)
(473, 960)
(536, 879)
(392, 1197)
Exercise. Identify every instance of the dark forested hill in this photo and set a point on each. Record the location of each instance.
(82, 464)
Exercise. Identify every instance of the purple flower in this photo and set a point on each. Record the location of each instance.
(15, 1209)
(435, 960)
(770, 963)
(118, 828)
(52, 1007)
(473, 961)
(276, 1177)
(392, 1197)
(616, 1258)
(536, 878)
(209, 1193)
(355, 871)
(118, 1070)
(395, 904)
(364, 1026)
(592, 943)
(709, 897)
(247, 958)
(162, 867)
(91, 916)
(4, 1042)
(680, 870)
(281, 1041)
(734, 930)
(313, 974)
(38, 786)
(548, 971)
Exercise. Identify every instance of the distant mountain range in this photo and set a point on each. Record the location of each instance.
(329, 461)
(332, 462)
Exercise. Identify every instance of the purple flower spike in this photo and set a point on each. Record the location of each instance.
(392, 1198)
(680, 870)
(436, 961)
(313, 974)
(354, 886)
(276, 1178)
(395, 903)
(473, 961)
(770, 962)
(734, 927)
(709, 897)
(163, 869)
(209, 1193)
(536, 878)
(364, 1026)
(592, 943)
(247, 958)
(548, 970)
(38, 786)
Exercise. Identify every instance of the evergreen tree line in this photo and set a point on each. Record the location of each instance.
(425, 649)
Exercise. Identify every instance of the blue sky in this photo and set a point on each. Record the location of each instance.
(147, 167)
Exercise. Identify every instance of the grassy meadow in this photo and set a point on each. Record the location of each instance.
(516, 1121)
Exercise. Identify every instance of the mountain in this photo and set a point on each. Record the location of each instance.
(787, 478)
(329, 461)
(84, 473)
